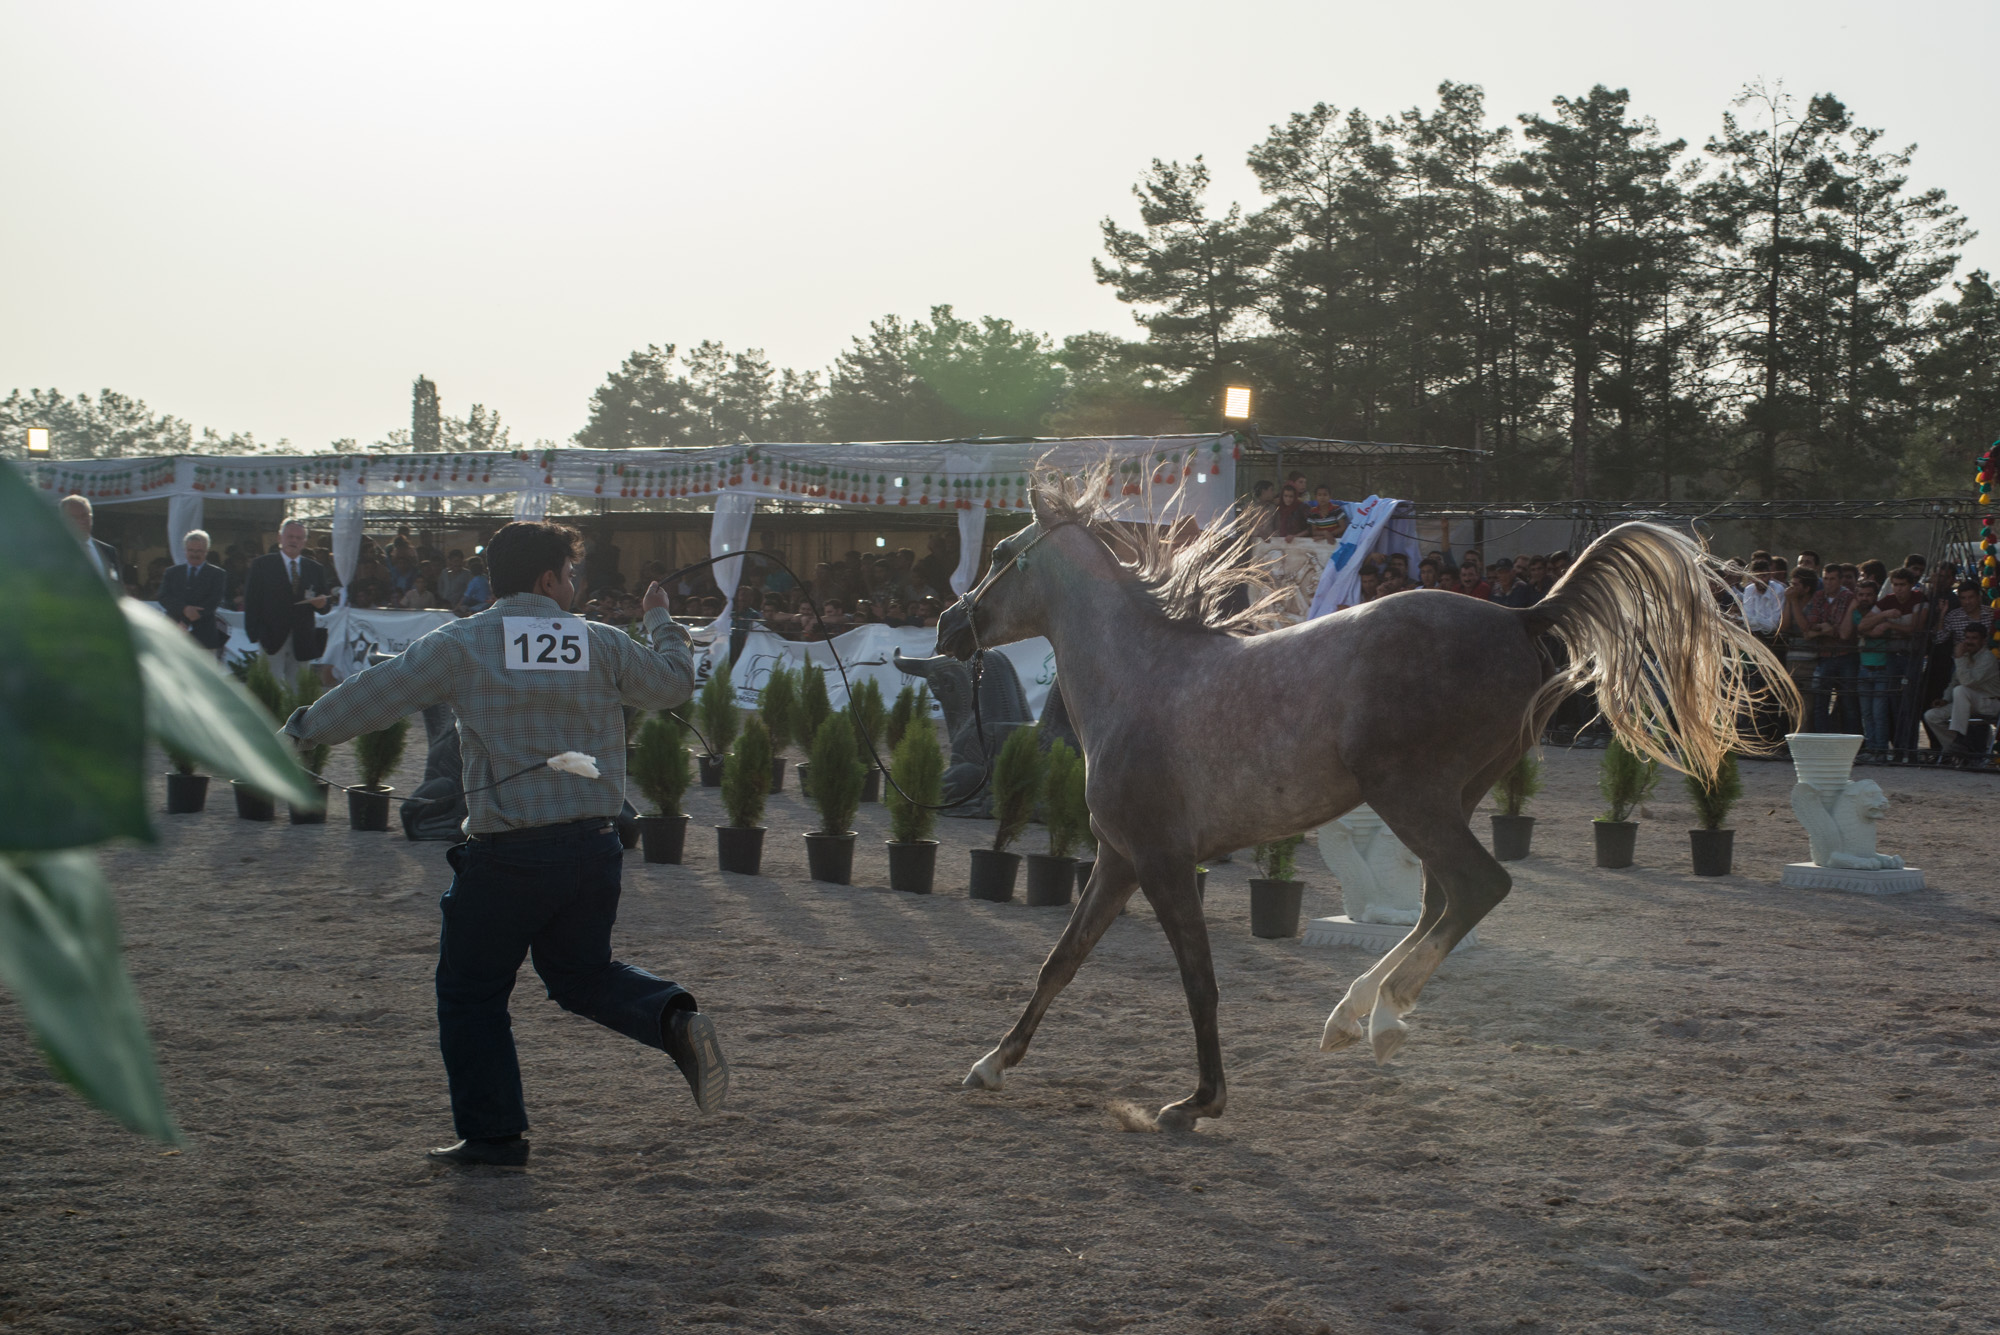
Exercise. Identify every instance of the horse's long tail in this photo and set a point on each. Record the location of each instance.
(1676, 678)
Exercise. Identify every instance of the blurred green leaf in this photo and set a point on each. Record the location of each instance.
(59, 953)
(72, 730)
(194, 705)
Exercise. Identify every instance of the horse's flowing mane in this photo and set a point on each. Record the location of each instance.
(1200, 582)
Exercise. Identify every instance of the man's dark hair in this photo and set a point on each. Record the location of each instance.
(1807, 551)
(521, 551)
(1916, 560)
(1904, 573)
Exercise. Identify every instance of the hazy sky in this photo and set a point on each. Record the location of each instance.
(270, 217)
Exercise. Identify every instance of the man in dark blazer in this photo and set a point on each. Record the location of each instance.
(191, 593)
(76, 509)
(283, 591)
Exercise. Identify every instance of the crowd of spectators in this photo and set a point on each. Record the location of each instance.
(895, 588)
(1875, 650)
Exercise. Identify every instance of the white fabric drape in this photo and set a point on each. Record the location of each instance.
(532, 503)
(348, 518)
(183, 516)
(971, 532)
(728, 534)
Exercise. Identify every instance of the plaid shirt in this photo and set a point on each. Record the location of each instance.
(509, 719)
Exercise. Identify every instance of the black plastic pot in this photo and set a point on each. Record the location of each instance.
(871, 785)
(368, 808)
(830, 857)
(1201, 886)
(318, 817)
(1714, 851)
(1274, 908)
(663, 837)
(993, 875)
(1083, 870)
(1050, 880)
(711, 771)
(251, 804)
(777, 774)
(1615, 841)
(186, 793)
(1511, 837)
(739, 850)
(804, 770)
(913, 866)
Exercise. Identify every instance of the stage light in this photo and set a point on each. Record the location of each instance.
(1236, 402)
(38, 440)
(881, 542)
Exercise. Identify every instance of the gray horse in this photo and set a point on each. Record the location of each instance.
(1414, 704)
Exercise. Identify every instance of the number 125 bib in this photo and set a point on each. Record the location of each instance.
(547, 644)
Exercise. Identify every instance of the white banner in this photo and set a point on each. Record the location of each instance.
(1368, 531)
(353, 633)
(869, 652)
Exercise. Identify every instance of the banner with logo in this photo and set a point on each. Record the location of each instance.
(867, 652)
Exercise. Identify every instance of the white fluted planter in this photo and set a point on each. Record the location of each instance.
(1824, 759)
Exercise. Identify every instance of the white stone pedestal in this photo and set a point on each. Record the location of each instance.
(1373, 937)
(1891, 881)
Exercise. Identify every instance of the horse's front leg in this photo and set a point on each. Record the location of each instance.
(1111, 883)
(1169, 884)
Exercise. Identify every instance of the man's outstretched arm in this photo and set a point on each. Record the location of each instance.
(413, 680)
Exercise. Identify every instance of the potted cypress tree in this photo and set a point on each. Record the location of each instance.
(1625, 779)
(814, 708)
(917, 774)
(1713, 847)
(866, 714)
(900, 715)
(1051, 875)
(746, 777)
(1275, 896)
(263, 685)
(376, 755)
(778, 702)
(836, 794)
(312, 759)
(660, 768)
(715, 707)
(1512, 831)
(187, 792)
(1017, 782)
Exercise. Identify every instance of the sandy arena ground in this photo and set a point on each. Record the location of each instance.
(1646, 1103)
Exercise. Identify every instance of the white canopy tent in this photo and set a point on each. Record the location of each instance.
(969, 478)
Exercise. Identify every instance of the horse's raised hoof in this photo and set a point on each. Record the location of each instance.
(1385, 1039)
(1340, 1032)
(986, 1073)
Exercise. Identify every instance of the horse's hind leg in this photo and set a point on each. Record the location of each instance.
(1111, 884)
(1364, 995)
(1473, 882)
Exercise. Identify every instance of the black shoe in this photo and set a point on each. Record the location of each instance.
(691, 1042)
(484, 1153)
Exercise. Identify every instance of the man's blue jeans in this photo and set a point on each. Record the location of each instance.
(1833, 694)
(555, 899)
(1882, 701)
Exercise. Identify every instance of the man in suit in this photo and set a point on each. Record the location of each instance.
(76, 509)
(283, 591)
(190, 593)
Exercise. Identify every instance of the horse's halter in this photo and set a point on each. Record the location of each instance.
(1016, 561)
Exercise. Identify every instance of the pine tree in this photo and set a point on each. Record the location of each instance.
(426, 433)
(641, 405)
(1599, 218)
